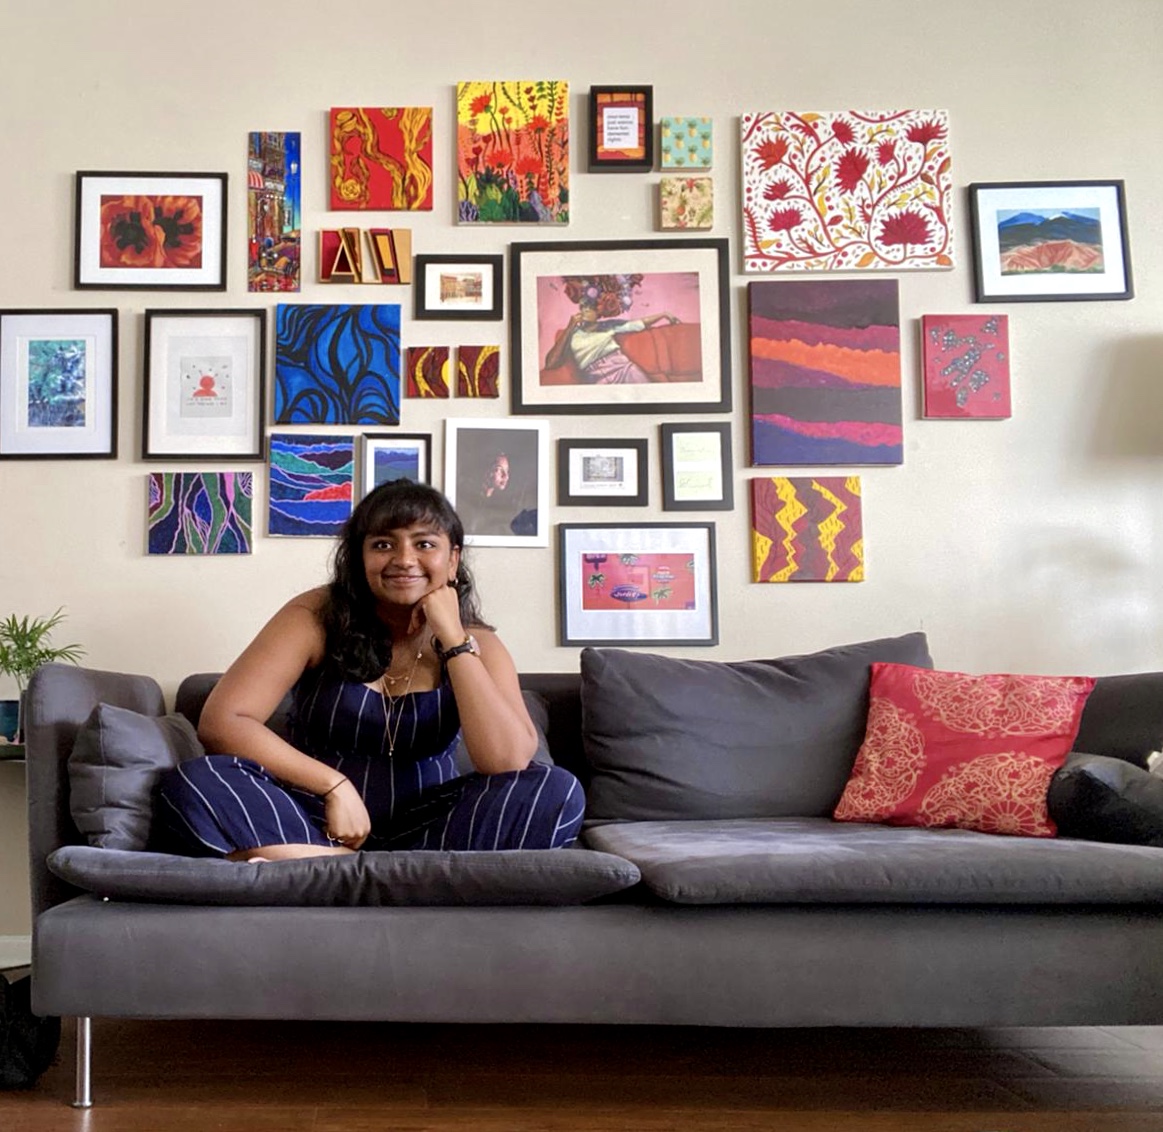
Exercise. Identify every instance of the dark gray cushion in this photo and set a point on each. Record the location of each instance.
(415, 877)
(710, 739)
(1104, 798)
(114, 766)
(816, 860)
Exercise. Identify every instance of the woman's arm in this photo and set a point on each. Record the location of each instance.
(559, 353)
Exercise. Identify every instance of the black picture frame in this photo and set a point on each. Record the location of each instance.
(699, 481)
(1072, 235)
(602, 473)
(614, 112)
(432, 297)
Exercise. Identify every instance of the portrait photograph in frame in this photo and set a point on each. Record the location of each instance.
(204, 382)
(630, 584)
(58, 384)
(496, 474)
(619, 326)
(696, 467)
(150, 231)
(388, 456)
(1050, 241)
(465, 287)
(621, 135)
(602, 473)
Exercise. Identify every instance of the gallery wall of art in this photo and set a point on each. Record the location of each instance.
(1011, 506)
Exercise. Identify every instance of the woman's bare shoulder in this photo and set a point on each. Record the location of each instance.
(312, 601)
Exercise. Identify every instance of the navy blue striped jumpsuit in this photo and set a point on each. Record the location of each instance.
(219, 804)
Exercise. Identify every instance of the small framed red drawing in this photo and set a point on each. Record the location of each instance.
(621, 129)
(637, 584)
(150, 231)
(967, 365)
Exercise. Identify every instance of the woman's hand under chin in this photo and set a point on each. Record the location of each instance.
(440, 609)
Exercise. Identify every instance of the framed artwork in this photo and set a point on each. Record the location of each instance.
(478, 371)
(621, 136)
(391, 456)
(459, 287)
(825, 372)
(273, 212)
(337, 364)
(200, 512)
(512, 152)
(637, 584)
(497, 478)
(966, 359)
(204, 384)
(612, 326)
(849, 190)
(58, 384)
(686, 143)
(150, 231)
(427, 371)
(311, 478)
(381, 157)
(602, 473)
(807, 529)
(686, 202)
(696, 467)
(1045, 241)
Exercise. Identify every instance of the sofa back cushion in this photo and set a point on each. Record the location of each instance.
(696, 739)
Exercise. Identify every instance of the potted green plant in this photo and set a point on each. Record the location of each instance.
(24, 647)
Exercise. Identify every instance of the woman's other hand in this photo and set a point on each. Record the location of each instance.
(346, 817)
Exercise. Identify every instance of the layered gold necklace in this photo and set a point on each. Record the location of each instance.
(391, 701)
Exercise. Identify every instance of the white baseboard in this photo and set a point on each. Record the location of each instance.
(15, 951)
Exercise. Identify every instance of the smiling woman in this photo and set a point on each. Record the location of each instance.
(390, 667)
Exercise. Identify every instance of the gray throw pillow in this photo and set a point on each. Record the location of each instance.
(117, 758)
(698, 739)
(1100, 798)
(414, 877)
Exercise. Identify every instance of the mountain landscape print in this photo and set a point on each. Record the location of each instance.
(1041, 240)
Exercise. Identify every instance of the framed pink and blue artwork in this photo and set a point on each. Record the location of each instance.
(273, 212)
(807, 529)
(846, 190)
(381, 157)
(200, 512)
(966, 364)
(825, 372)
(310, 484)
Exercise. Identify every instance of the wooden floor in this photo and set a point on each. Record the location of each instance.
(343, 1077)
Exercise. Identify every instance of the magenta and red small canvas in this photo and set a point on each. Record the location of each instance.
(966, 365)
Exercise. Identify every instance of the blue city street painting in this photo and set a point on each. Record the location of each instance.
(311, 482)
(56, 382)
(337, 364)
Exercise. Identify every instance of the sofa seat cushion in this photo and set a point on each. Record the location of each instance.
(415, 877)
(816, 860)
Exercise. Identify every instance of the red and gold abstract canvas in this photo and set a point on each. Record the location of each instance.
(428, 371)
(478, 370)
(807, 529)
(381, 157)
(967, 365)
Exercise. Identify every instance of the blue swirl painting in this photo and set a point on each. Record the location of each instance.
(200, 513)
(337, 364)
(311, 482)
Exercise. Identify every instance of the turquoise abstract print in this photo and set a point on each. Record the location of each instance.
(311, 483)
(337, 364)
(200, 513)
(57, 382)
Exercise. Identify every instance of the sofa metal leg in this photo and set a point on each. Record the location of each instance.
(84, 1095)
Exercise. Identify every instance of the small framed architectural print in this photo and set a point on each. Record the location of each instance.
(601, 473)
(391, 456)
(637, 584)
(150, 231)
(204, 384)
(621, 129)
(696, 467)
(58, 384)
(459, 287)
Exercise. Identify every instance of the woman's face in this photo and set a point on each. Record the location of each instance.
(497, 477)
(403, 565)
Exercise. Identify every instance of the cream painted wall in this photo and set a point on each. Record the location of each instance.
(1030, 544)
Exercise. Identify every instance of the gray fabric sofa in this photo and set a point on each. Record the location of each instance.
(782, 919)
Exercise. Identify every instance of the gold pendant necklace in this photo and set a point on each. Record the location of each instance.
(390, 701)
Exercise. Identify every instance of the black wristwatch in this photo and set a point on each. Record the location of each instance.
(469, 645)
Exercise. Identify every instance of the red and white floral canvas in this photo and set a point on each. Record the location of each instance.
(846, 190)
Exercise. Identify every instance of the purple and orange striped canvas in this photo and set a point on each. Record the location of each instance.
(825, 372)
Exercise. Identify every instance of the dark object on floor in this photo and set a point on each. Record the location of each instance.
(28, 1044)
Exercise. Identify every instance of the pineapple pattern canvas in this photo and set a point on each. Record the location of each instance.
(686, 143)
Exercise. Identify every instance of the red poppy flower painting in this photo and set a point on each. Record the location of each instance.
(151, 231)
(871, 190)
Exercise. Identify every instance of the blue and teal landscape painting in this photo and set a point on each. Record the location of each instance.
(311, 479)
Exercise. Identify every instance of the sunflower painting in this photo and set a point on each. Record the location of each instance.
(512, 141)
(846, 190)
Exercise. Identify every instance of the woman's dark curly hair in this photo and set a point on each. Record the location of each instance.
(359, 644)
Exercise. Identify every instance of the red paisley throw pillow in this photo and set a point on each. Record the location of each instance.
(974, 752)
